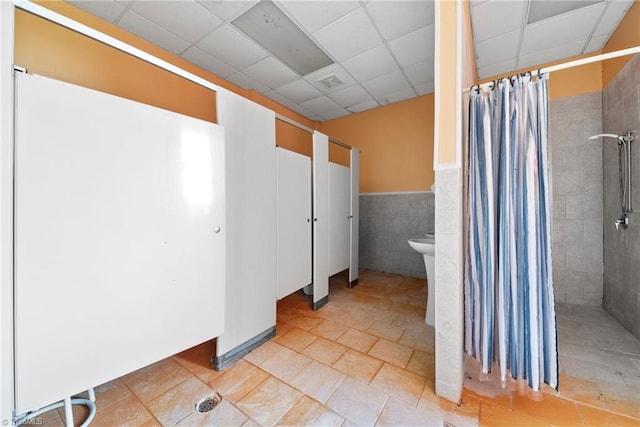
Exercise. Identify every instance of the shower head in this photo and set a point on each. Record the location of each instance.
(621, 138)
(605, 135)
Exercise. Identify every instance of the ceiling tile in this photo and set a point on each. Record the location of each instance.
(230, 46)
(425, 89)
(186, 19)
(493, 18)
(400, 96)
(308, 114)
(349, 36)
(564, 29)
(107, 10)
(320, 105)
(351, 96)
(299, 91)
(208, 62)
(313, 15)
(367, 105)
(616, 10)
(381, 87)
(336, 69)
(397, 18)
(497, 49)
(542, 57)
(272, 94)
(271, 73)
(247, 82)
(227, 10)
(334, 114)
(414, 47)
(540, 10)
(421, 73)
(596, 43)
(371, 64)
(151, 32)
(496, 69)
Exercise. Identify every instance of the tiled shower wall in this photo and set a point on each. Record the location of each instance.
(621, 112)
(387, 221)
(577, 198)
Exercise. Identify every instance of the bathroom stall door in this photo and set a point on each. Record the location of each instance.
(320, 220)
(119, 237)
(251, 226)
(339, 218)
(294, 221)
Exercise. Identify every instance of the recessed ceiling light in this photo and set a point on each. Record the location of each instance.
(268, 26)
(331, 81)
(544, 9)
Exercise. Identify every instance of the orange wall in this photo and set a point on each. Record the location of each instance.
(396, 143)
(575, 81)
(53, 51)
(626, 35)
(469, 70)
(47, 49)
(446, 69)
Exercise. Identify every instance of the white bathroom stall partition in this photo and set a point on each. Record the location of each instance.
(339, 218)
(320, 220)
(294, 222)
(251, 207)
(354, 224)
(119, 237)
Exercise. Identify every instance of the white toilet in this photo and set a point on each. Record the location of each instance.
(427, 247)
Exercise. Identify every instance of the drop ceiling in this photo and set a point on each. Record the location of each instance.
(382, 51)
(514, 35)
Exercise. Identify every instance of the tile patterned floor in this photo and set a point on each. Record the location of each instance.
(367, 358)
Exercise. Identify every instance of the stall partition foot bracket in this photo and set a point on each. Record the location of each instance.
(232, 356)
(317, 305)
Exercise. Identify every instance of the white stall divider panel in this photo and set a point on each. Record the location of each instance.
(294, 221)
(320, 217)
(355, 214)
(118, 264)
(250, 132)
(339, 222)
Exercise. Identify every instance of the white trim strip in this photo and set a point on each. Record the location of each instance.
(576, 63)
(110, 41)
(436, 85)
(396, 193)
(459, 63)
(308, 129)
(294, 123)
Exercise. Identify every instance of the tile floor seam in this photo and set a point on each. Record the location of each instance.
(153, 417)
(292, 406)
(116, 401)
(167, 391)
(256, 386)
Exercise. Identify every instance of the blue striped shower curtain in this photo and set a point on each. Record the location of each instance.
(509, 307)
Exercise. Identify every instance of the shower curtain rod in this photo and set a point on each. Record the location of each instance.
(308, 129)
(571, 64)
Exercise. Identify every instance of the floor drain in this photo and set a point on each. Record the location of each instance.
(208, 403)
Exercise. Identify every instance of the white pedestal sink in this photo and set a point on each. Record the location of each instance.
(427, 247)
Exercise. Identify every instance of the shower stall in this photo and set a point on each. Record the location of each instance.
(596, 239)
